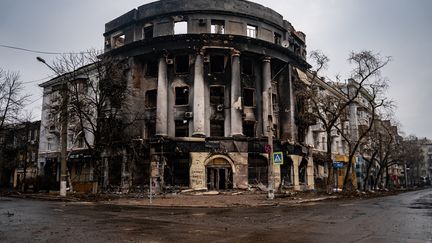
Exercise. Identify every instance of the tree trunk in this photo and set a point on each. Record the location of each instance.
(330, 178)
(366, 179)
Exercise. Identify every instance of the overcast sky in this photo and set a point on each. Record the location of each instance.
(396, 28)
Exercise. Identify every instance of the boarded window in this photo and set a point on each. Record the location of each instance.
(180, 28)
(249, 129)
(217, 128)
(247, 66)
(217, 64)
(151, 99)
(152, 69)
(249, 97)
(182, 95)
(251, 31)
(218, 27)
(217, 95)
(148, 32)
(182, 64)
(182, 128)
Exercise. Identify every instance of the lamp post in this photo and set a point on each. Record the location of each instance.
(63, 133)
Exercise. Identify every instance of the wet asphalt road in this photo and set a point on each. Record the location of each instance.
(403, 218)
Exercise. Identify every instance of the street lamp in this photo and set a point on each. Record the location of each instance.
(63, 135)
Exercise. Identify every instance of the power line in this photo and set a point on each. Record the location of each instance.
(40, 52)
(39, 80)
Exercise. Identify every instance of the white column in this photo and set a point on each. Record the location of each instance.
(266, 91)
(162, 99)
(236, 101)
(198, 98)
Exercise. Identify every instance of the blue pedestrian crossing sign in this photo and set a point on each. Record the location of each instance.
(278, 158)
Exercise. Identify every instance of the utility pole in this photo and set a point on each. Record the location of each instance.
(270, 143)
(63, 132)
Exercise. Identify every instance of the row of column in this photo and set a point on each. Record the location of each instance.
(199, 117)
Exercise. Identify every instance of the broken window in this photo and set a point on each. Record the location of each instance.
(80, 141)
(182, 95)
(148, 32)
(176, 171)
(152, 69)
(251, 31)
(182, 64)
(150, 129)
(217, 64)
(218, 27)
(180, 28)
(217, 95)
(257, 170)
(247, 66)
(249, 129)
(249, 97)
(151, 99)
(277, 39)
(182, 128)
(217, 128)
(275, 103)
(118, 40)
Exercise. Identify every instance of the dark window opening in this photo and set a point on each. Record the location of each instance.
(217, 95)
(182, 128)
(277, 38)
(247, 67)
(150, 129)
(182, 95)
(148, 32)
(152, 69)
(275, 103)
(151, 99)
(286, 172)
(249, 97)
(176, 172)
(257, 170)
(217, 64)
(218, 27)
(182, 64)
(249, 129)
(217, 128)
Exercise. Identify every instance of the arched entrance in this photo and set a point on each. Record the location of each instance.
(219, 174)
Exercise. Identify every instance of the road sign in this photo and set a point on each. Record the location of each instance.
(338, 165)
(278, 158)
(267, 148)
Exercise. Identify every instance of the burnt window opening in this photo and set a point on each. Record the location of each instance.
(180, 28)
(217, 64)
(150, 129)
(176, 171)
(275, 103)
(277, 39)
(182, 95)
(182, 128)
(257, 170)
(217, 128)
(251, 31)
(249, 97)
(151, 99)
(80, 142)
(182, 64)
(218, 27)
(249, 129)
(118, 40)
(247, 66)
(217, 95)
(148, 32)
(152, 69)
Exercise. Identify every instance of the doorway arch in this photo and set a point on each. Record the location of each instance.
(219, 173)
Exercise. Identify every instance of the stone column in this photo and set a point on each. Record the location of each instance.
(292, 108)
(198, 98)
(266, 98)
(310, 171)
(236, 100)
(296, 162)
(162, 99)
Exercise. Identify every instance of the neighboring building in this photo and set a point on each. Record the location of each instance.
(211, 77)
(424, 169)
(19, 152)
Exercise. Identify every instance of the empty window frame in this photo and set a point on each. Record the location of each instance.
(249, 129)
(182, 95)
(277, 39)
(182, 128)
(217, 128)
(217, 63)
(182, 64)
(218, 27)
(152, 69)
(249, 97)
(180, 28)
(118, 40)
(150, 129)
(148, 31)
(217, 95)
(151, 99)
(247, 66)
(251, 31)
